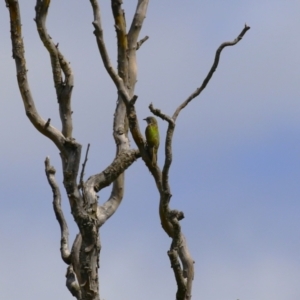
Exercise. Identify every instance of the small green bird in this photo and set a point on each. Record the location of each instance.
(152, 137)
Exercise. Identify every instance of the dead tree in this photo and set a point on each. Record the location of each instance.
(83, 257)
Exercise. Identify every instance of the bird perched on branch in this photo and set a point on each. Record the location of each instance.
(152, 137)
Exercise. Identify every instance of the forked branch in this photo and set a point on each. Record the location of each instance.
(137, 23)
(84, 258)
(63, 86)
(184, 272)
(38, 122)
(102, 48)
(99, 181)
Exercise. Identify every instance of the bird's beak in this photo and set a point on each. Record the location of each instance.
(145, 119)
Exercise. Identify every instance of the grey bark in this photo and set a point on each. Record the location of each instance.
(180, 258)
(83, 259)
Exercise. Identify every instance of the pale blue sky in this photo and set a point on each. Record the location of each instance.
(236, 169)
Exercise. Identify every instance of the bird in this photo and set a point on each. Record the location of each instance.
(152, 138)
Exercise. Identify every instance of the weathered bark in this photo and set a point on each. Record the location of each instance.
(184, 272)
(83, 259)
(38, 122)
(60, 67)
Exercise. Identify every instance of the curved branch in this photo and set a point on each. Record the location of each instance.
(125, 93)
(125, 81)
(99, 181)
(37, 121)
(211, 71)
(103, 51)
(111, 205)
(170, 219)
(184, 272)
(64, 241)
(123, 160)
(120, 133)
(59, 64)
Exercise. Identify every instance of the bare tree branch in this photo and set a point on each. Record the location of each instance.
(125, 82)
(84, 257)
(99, 181)
(165, 190)
(169, 219)
(118, 166)
(64, 241)
(133, 35)
(120, 26)
(137, 22)
(211, 72)
(103, 51)
(83, 261)
(168, 145)
(38, 122)
(81, 183)
(125, 93)
(184, 274)
(141, 42)
(59, 64)
(173, 255)
(120, 126)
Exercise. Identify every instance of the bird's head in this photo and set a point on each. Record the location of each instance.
(151, 120)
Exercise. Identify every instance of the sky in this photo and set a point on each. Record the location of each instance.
(236, 162)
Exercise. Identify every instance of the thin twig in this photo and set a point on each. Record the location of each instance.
(141, 42)
(81, 183)
(47, 123)
(158, 113)
(211, 71)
